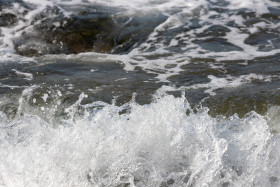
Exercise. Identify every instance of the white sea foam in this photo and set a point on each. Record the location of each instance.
(230, 82)
(149, 146)
(219, 83)
(28, 76)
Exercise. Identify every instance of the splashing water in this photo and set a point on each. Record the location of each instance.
(70, 116)
(160, 144)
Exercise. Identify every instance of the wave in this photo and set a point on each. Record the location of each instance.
(160, 144)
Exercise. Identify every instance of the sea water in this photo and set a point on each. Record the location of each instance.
(139, 93)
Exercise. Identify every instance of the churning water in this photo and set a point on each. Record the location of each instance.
(139, 93)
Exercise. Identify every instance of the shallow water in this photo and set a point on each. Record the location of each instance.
(150, 93)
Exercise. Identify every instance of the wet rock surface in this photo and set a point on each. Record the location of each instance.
(96, 29)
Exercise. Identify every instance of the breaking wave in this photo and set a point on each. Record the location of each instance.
(165, 143)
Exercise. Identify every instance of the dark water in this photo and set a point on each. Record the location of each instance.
(152, 93)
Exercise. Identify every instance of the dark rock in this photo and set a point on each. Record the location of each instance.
(73, 35)
(87, 31)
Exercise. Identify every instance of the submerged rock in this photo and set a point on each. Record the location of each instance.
(69, 35)
(87, 30)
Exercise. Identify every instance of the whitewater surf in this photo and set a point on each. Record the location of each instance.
(139, 93)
